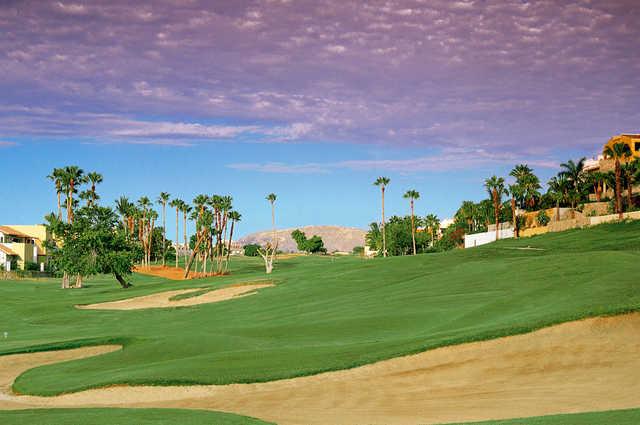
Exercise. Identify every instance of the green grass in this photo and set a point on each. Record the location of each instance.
(612, 417)
(122, 417)
(325, 313)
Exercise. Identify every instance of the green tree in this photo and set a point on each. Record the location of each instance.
(573, 172)
(94, 179)
(91, 244)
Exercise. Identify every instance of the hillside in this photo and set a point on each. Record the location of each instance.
(336, 238)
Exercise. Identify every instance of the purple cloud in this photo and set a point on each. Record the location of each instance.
(526, 77)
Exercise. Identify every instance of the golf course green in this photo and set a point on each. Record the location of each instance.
(324, 313)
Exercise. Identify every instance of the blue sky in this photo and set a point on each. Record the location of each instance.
(311, 100)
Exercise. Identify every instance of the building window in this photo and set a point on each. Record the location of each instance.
(637, 147)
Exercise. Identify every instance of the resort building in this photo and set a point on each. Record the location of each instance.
(22, 244)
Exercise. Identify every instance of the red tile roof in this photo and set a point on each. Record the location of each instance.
(13, 232)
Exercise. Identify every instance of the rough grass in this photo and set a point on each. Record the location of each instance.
(122, 417)
(325, 313)
(612, 417)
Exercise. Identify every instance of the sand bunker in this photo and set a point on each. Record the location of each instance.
(172, 273)
(579, 366)
(164, 299)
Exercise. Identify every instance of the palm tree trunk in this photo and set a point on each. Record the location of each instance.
(184, 230)
(384, 233)
(413, 230)
(618, 190)
(629, 192)
(59, 206)
(514, 218)
(233, 222)
(177, 234)
(164, 233)
(496, 213)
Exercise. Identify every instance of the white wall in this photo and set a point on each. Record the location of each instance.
(477, 239)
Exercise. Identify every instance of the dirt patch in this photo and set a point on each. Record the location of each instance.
(164, 299)
(579, 366)
(172, 273)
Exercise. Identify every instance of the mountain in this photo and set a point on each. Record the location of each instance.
(335, 238)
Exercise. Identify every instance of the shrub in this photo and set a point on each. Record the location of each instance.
(358, 250)
(31, 266)
(251, 250)
(542, 218)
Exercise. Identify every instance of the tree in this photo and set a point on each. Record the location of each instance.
(268, 253)
(311, 246)
(412, 195)
(251, 250)
(618, 152)
(432, 225)
(516, 192)
(91, 244)
(596, 179)
(163, 198)
(383, 182)
(573, 173)
(177, 204)
(495, 187)
(558, 187)
(73, 176)
(57, 177)
(93, 178)
(235, 217)
(629, 170)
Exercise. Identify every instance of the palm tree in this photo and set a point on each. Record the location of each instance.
(516, 192)
(432, 223)
(186, 209)
(558, 187)
(163, 198)
(412, 195)
(573, 172)
(93, 178)
(269, 252)
(73, 176)
(177, 203)
(235, 217)
(383, 182)
(629, 170)
(495, 187)
(57, 177)
(123, 206)
(596, 179)
(617, 152)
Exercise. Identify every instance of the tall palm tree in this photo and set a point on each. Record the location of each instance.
(383, 182)
(412, 195)
(618, 152)
(57, 177)
(177, 203)
(495, 187)
(163, 198)
(93, 178)
(573, 172)
(73, 177)
(596, 179)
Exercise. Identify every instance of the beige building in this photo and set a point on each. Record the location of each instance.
(21, 244)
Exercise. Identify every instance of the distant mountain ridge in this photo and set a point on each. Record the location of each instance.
(335, 238)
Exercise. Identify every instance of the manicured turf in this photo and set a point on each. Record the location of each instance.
(325, 314)
(612, 417)
(122, 417)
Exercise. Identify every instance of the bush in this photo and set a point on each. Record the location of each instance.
(31, 266)
(358, 250)
(542, 218)
(251, 250)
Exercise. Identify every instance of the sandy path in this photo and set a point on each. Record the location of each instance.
(163, 299)
(579, 366)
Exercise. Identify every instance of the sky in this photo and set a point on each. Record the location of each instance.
(311, 100)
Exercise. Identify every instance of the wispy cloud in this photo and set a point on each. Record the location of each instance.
(448, 160)
(5, 144)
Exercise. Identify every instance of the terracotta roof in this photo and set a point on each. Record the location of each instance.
(6, 250)
(13, 232)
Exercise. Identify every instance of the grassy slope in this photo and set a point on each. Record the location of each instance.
(325, 313)
(617, 417)
(122, 417)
